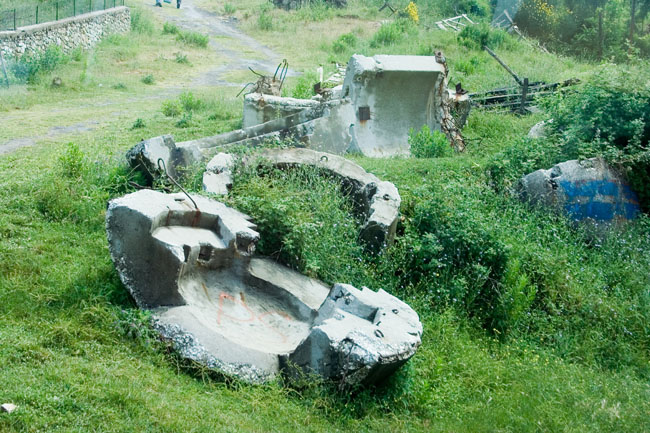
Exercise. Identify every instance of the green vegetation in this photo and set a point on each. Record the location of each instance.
(531, 323)
(427, 144)
(193, 38)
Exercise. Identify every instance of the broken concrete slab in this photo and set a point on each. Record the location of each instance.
(146, 155)
(217, 178)
(391, 95)
(259, 108)
(8, 407)
(190, 261)
(539, 130)
(583, 190)
(375, 200)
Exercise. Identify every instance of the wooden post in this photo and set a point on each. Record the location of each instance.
(57, 10)
(4, 68)
(493, 54)
(14, 19)
(524, 95)
(601, 35)
(36, 14)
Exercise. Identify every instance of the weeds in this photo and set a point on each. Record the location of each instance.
(170, 29)
(193, 38)
(427, 144)
(148, 79)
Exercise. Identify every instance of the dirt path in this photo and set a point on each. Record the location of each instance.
(225, 39)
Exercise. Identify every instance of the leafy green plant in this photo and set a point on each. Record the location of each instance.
(190, 102)
(265, 20)
(304, 88)
(185, 121)
(148, 79)
(193, 38)
(388, 34)
(170, 29)
(344, 42)
(141, 22)
(138, 124)
(181, 58)
(427, 144)
(482, 34)
(172, 108)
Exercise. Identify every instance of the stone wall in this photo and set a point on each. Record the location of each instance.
(83, 31)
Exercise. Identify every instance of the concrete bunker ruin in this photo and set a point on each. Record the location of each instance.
(190, 260)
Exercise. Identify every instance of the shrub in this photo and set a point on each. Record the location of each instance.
(147, 79)
(170, 29)
(229, 9)
(525, 156)
(182, 59)
(345, 41)
(193, 38)
(388, 34)
(425, 144)
(31, 65)
(304, 88)
(139, 123)
(608, 116)
(265, 20)
(466, 255)
(141, 22)
(72, 162)
(185, 121)
(480, 35)
(189, 102)
(172, 108)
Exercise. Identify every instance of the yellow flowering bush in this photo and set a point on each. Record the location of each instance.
(412, 11)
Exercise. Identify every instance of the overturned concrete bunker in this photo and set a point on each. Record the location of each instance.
(587, 190)
(376, 201)
(190, 261)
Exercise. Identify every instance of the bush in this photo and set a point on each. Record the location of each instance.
(389, 33)
(193, 38)
(139, 123)
(425, 144)
(172, 108)
(147, 79)
(185, 121)
(170, 29)
(480, 35)
(182, 59)
(608, 116)
(141, 22)
(189, 102)
(31, 65)
(525, 156)
(265, 20)
(465, 255)
(304, 88)
(345, 41)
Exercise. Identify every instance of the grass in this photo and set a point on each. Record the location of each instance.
(77, 354)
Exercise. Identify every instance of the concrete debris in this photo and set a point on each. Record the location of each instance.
(145, 156)
(381, 100)
(8, 407)
(389, 95)
(376, 201)
(259, 108)
(539, 130)
(583, 190)
(248, 316)
(295, 4)
(460, 106)
(217, 178)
